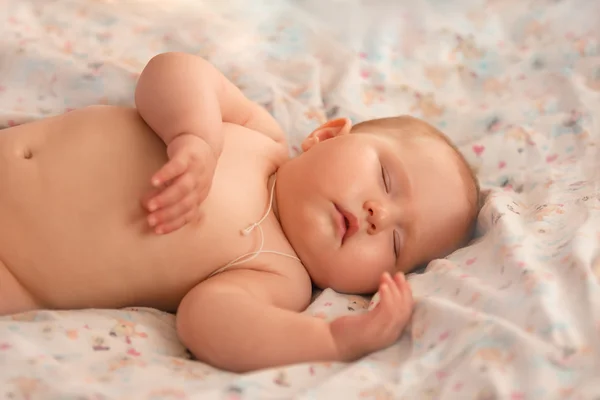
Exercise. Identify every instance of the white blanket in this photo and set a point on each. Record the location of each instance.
(516, 84)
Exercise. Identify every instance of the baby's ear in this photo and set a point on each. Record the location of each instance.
(330, 129)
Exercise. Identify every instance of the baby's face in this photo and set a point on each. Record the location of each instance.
(356, 205)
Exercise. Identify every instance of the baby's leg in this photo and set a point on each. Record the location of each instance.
(14, 298)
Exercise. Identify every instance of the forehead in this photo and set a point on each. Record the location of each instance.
(426, 158)
(439, 198)
(402, 142)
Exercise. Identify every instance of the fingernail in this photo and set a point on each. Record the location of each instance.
(156, 182)
(152, 220)
(152, 206)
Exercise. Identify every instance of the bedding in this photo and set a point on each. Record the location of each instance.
(515, 84)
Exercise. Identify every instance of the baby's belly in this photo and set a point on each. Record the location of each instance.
(72, 229)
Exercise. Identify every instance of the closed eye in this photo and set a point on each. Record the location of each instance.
(386, 179)
(397, 243)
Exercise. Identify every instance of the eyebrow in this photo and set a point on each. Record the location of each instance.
(400, 171)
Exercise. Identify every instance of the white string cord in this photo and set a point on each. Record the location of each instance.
(245, 232)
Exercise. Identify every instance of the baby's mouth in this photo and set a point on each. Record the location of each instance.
(348, 223)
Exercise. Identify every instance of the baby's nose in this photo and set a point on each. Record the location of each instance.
(378, 217)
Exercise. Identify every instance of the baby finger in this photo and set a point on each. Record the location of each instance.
(147, 198)
(170, 226)
(178, 223)
(386, 301)
(407, 295)
(180, 188)
(169, 171)
(393, 288)
(402, 284)
(399, 278)
(173, 212)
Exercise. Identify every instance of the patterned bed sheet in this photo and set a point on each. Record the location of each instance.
(516, 84)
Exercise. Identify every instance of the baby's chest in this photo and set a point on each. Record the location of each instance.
(240, 190)
(236, 200)
(240, 196)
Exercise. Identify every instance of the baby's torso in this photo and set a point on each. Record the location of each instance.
(73, 230)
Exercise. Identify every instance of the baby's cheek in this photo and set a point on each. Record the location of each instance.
(374, 252)
(368, 263)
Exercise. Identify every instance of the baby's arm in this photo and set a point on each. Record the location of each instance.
(245, 320)
(186, 100)
(179, 93)
(232, 322)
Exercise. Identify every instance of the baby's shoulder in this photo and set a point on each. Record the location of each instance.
(244, 143)
(285, 283)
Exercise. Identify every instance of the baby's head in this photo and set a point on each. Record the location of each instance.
(384, 195)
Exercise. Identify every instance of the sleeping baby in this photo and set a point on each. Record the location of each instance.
(189, 203)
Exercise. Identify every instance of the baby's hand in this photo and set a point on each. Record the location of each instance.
(358, 335)
(181, 184)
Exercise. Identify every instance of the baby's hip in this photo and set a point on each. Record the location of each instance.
(14, 297)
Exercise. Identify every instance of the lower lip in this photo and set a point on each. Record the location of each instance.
(340, 222)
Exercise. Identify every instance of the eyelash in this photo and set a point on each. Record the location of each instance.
(395, 238)
(385, 181)
(396, 246)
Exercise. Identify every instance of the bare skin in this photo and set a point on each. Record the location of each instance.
(108, 207)
(119, 260)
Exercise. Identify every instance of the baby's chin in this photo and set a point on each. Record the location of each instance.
(325, 277)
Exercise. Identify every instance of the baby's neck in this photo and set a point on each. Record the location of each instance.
(275, 208)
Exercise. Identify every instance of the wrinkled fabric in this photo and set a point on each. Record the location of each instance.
(515, 84)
